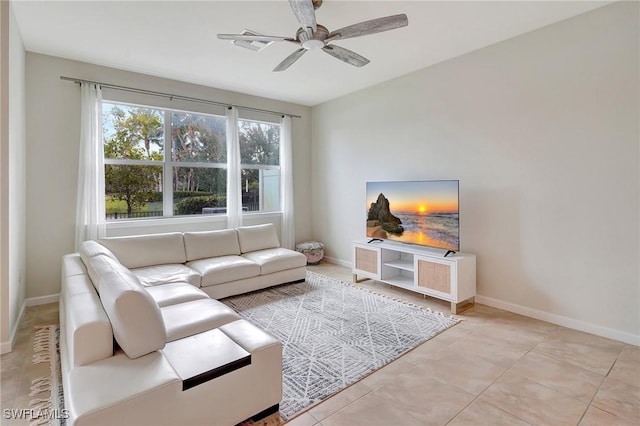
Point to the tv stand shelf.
(403, 264)
(420, 269)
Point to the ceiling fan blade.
(289, 60)
(370, 27)
(346, 55)
(306, 15)
(254, 37)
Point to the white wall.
(12, 215)
(542, 132)
(53, 129)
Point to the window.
(164, 163)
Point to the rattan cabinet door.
(366, 261)
(434, 276)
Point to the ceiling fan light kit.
(313, 36)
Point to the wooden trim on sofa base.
(264, 413)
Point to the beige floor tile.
(521, 322)
(627, 366)
(583, 350)
(452, 335)
(572, 381)
(335, 271)
(619, 399)
(505, 335)
(497, 352)
(424, 351)
(387, 373)
(469, 373)
(597, 417)
(340, 400)
(480, 413)
(19, 413)
(12, 361)
(9, 388)
(532, 402)
(304, 419)
(407, 400)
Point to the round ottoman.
(313, 250)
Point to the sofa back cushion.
(147, 250)
(90, 250)
(258, 237)
(135, 317)
(202, 245)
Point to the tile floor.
(494, 368)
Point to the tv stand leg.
(449, 252)
(457, 308)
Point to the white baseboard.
(6, 347)
(43, 300)
(563, 321)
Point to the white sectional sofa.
(143, 340)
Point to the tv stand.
(419, 269)
(373, 240)
(449, 252)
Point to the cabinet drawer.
(434, 276)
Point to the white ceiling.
(177, 39)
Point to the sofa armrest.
(120, 390)
(88, 330)
(72, 264)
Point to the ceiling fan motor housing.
(315, 42)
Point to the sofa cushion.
(276, 259)
(202, 245)
(166, 274)
(187, 319)
(98, 266)
(174, 293)
(135, 317)
(258, 237)
(147, 250)
(90, 248)
(218, 270)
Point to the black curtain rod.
(178, 97)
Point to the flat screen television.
(424, 212)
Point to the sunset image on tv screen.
(415, 212)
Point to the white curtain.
(286, 183)
(234, 194)
(90, 220)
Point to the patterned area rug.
(334, 334)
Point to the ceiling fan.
(313, 36)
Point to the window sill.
(185, 220)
